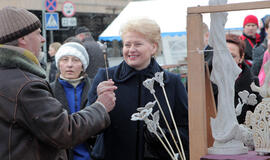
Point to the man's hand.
(105, 86)
(106, 95)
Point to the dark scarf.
(125, 72)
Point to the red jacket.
(250, 44)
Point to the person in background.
(208, 57)
(250, 36)
(126, 139)
(73, 39)
(262, 27)
(33, 123)
(208, 53)
(72, 85)
(93, 50)
(53, 47)
(259, 51)
(266, 55)
(42, 61)
(236, 47)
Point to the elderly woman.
(72, 85)
(126, 139)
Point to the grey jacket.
(96, 57)
(257, 56)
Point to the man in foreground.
(33, 123)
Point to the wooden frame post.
(196, 88)
(210, 106)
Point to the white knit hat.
(73, 49)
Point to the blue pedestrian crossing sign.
(52, 21)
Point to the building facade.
(94, 14)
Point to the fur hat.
(73, 49)
(16, 23)
(250, 19)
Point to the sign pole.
(44, 31)
(51, 36)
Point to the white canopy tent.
(171, 16)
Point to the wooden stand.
(252, 155)
(201, 101)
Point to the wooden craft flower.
(152, 125)
(252, 99)
(144, 112)
(239, 107)
(159, 78)
(149, 84)
(243, 95)
(246, 98)
(153, 121)
(259, 122)
(248, 119)
(142, 115)
(147, 106)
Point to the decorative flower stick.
(159, 79)
(155, 118)
(173, 157)
(103, 47)
(149, 84)
(167, 124)
(106, 65)
(152, 125)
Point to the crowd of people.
(250, 52)
(34, 124)
(81, 110)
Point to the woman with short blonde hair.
(126, 139)
(147, 27)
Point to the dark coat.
(243, 83)
(124, 139)
(208, 57)
(257, 56)
(60, 95)
(250, 43)
(53, 70)
(33, 123)
(96, 57)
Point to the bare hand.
(108, 100)
(105, 86)
(106, 95)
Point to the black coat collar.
(124, 72)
